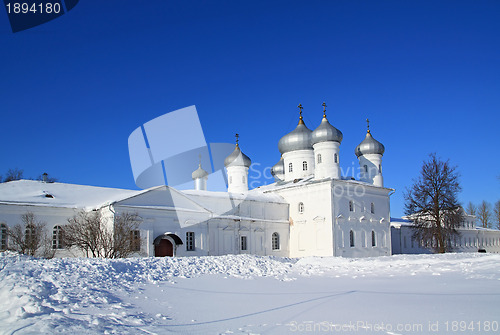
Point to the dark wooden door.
(164, 248)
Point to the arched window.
(351, 239)
(275, 241)
(380, 168)
(374, 239)
(57, 238)
(366, 168)
(335, 158)
(301, 207)
(230, 179)
(351, 206)
(3, 236)
(304, 165)
(290, 168)
(372, 208)
(319, 158)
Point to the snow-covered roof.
(31, 192)
(252, 195)
(310, 180)
(38, 193)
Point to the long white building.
(470, 239)
(311, 209)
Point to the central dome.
(326, 133)
(298, 139)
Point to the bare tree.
(432, 206)
(28, 237)
(484, 214)
(13, 174)
(93, 234)
(471, 208)
(496, 213)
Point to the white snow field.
(244, 294)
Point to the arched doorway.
(166, 245)
(164, 248)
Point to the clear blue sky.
(426, 73)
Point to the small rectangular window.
(190, 241)
(243, 243)
(3, 237)
(135, 240)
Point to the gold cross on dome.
(368, 125)
(324, 109)
(300, 107)
(237, 138)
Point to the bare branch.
(431, 204)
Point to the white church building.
(310, 209)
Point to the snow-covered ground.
(243, 294)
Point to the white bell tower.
(237, 164)
(369, 153)
(200, 177)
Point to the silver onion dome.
(237, 158)
(326, 133)
(369, 146)
(199, 173)
(297, 139)
(278, 169)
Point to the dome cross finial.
(199, 158)
(324, 109)
(301, 121)
(237, 139)
(367, 125)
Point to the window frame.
(135, 240)
(4, 237)
(57, 238)
(190, 241)
(275, 241)
(243, 243)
